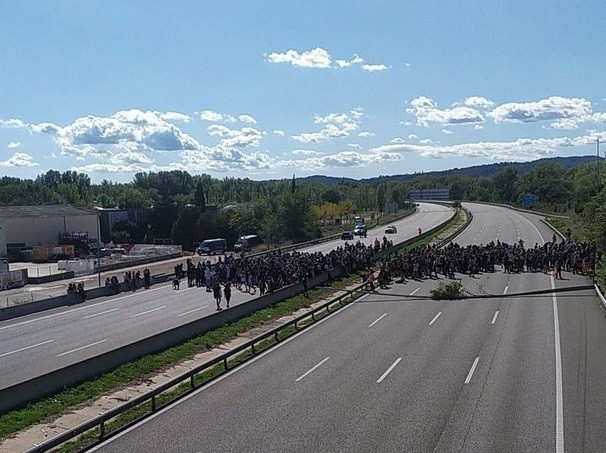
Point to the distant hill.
(476, 171)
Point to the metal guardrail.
(189, 376)
(459, 230)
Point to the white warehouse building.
(27, 226)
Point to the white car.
(391, 229)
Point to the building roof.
(16, 212)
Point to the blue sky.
(265, 89)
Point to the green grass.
(146, 366)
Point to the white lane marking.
(505, 290)
(473, 368)
(102, 313)
(414, 292)
(312, 369)
(377, 320)
(192, 311)
(220, 378)
(25, 348)
(435, 318)
(149, 311)
(363, 297)
(393, 365)
(82, 347)
(494, 318)
(77, 309)
(558, 365)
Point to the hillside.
(476, 171)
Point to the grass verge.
(143, 367)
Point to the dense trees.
(190, 208)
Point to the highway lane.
(391, 373)
(36, 344)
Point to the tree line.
(189, 208)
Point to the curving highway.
(396, 373)
(36, 344)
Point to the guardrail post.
(296, 327)
(225, 363)
(313, 316)
(153, 403)
(101, 430)
(276, 337)
(192, 384)
(252, 349)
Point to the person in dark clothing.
(227, 293)
(217, 294)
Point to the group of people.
(552, 257)
(77, 289)
(131, 280)
(274, 270)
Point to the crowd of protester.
(552, 257)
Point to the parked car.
(347, 235)
(391, 229)
(245, 243)
(360, 230)
(212, 246)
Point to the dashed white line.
(494, 318)
(26, 348)
(192, 311)
(505, 290)
(435, 318)
(473, 368)
(315, 367)
(393, 365)
(414, 292)
(377, 320)
(149, 311)
(102, 313)
(82, 347)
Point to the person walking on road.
(217, 294)
(227, 293)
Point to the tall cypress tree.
(200, 198)
(293, 186)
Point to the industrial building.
(23, 227)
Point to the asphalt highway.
(395, 372)
(36, 344)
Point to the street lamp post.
(98, 247)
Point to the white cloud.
(19, 160)
(221, 158)
(425, 141)
(366, 134)
(375, 67)
(446, 131)
(479, 102)
(478, 127)
(315, 58)
(174, 116)
(12, 122)
(354, 145)
(342, 159)
(407, 64)
(216, 117)
(109, 168)
(426, 111)
(396, 140)
(336, 125)
(247, 136)
(413, 136)
(347, 63)
(247, 119)
(279, 132)
(554, 108)
(13, 145)
(306, 152)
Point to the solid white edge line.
(435, 318)
(384, 375)
(377, 320)
(82, 347)
(505, 290)
(220, 378)
(149, 311)
(101, 313)
(312, 369)
(192, 311)
(414, 292)
(473, 368)
(599, 293)
(361, 297)
(494, 318)
(26, 348)
(558, 370)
